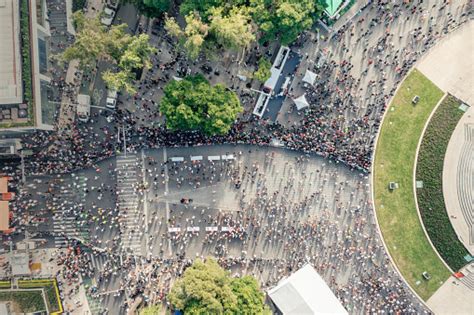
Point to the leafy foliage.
(193, 104)
(191, 39)
(151, 310)
(151, 8)
(250, 300)
(263, 72)
(206, 288)
(232, 30)
(78, 5)
(430, 171)
(93, 41)
(202, 7)
(26, 58)
(284, 19)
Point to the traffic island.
(396, 210)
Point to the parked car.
(107, 17)
(83, 107)
(111, 101)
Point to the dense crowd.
(346, 107)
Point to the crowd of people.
(274, 230)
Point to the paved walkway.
(450, 64)
(458, 173)
(452, 298)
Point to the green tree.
(250, 299)
(151, 8)
(232, 30)
(200, 6)
(192, 38)
(93, 42)
(206, 288)
(90, 43)
(284, 19)
(120, 80)
(193, 104)
(151, 310)
(263, 72)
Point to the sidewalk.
(350, 14)
(67, 113)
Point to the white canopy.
(301, 102)
(309, 77)
(305, 292)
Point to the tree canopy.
(151, 310)
(192, 37)
(284, 19)
(233, 30)
(151, 8)
(263, 72)
(193, 104)
(94, 41)
(206, 288)
(228, 29)
(276, 19)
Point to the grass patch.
(27, 301)
(430, 171)
(50, 287)
(394, 161)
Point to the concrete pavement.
(458, 174)
(450, 65)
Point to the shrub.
(430, 170)
(26, 58)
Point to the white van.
(83, 107)
(111, 101)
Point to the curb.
(373, 195)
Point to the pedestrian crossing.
(131, 225)
(65, 223)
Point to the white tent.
(305, 293)
(309, 77)
(301, 102)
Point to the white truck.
(83, 107)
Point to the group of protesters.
(275, 231)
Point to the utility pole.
(22, 167)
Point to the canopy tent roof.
(332, 6)
(305, 292)
(301, 102)
(309, 77)
(3, 185)
(4, 216)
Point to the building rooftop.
(333, 6)
(11, 89)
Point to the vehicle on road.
(107, 17)
(83, 107)
(111, 101)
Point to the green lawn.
(394, 161)
(430, 170)
(27, 301)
